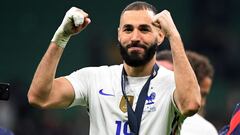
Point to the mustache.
(136, 45)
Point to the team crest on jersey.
(123, 103)
(150, 98)
(150, 107)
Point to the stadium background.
(211, 27)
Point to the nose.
(135, 36)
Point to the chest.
(108, 96)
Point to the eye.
(128, 29)
(144, 30)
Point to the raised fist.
(74, 21)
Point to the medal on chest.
(123, 103)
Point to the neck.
(202, 111)
(140, 71)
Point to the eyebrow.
(140, 26)
(127, 26)
(144, 26)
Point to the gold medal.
(123, 103)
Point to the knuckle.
(75, 8)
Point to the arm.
(187, 94)
(46, 91)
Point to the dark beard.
(133, 58)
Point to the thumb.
(84, 24)
(78, 19)
(86, 21)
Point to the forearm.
(43, 79)
(46, 91)
(187, 94)
(187, 89)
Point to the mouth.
(136, 47)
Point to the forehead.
(136, 17)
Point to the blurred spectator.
(4, 131)
(204, 72)
(234, 126)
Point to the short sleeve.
(173, 103)
(178, 118)
(79, 81)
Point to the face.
(138, 38)
(205, 86)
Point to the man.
(115, 95)
(204, 72)
(234, 125)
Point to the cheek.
(123, 39)
(150, 38)
(123, 42)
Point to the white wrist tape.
(60, 38)
(73, 18)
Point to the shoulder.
(199, 123)
(165, 75)
(165, 72)
(99, 69)
(198, 118)
(104, 67)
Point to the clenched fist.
(74, 21)
(164, 22)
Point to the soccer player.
(195, 125)
(136, 97)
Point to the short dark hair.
(164, 55)
(200, 63)
(139, 5)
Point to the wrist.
(61, 38)
(175, 36)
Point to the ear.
(118, 34)
(160, 37)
